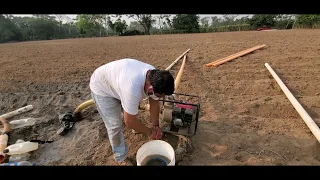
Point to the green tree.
(215, 21)
(284, 21)
(44, 28)
(308, 20)
(134, 25)
(145, 20)
(259, 20)
(186, 22)
(118, 26)
(88, 25)
(204, 22)
(8, 30)
(230, 18)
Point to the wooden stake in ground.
(302, 112)
(234, 56)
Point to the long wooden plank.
(208, 64)
(242, 53)
(231, 56)
(239, 55)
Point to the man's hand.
(156, 133)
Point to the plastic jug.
(15, 124)
(21, 148)
(19, 157)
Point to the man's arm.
(154, 111)
(132, 122)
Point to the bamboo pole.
(302, 112)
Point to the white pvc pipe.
(16, 112)
(175, 61)
(302, 112)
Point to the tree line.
(56, 26)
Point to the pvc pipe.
(175, 61)
(17, 112)
(302, 112)
(229, 56)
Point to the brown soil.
(245, 117)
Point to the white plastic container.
(20, 123)
(156, 147)
(21, 148)
(19, 157)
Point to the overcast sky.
(128, 20)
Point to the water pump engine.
(180, 114)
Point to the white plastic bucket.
(156, 147)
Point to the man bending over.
(122, 84)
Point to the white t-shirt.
(122, 79)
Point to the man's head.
(160, 83)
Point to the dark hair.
(162, 81)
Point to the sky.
(128, 20)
